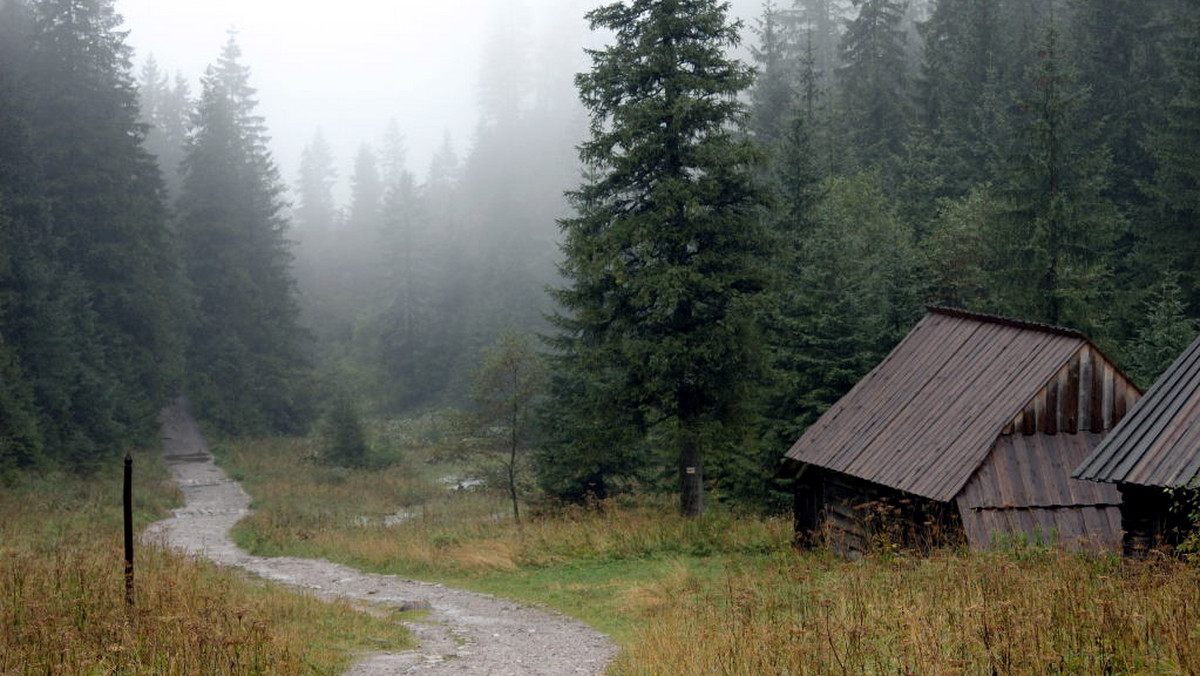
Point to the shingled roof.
(926, 418)
(1158, 442)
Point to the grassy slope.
(62, 594)
(726, 594)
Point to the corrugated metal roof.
(925, 418)
(1158, 442)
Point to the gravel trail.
(465, 632)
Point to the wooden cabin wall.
(1088, 393)
(808, 508)
(856, 516)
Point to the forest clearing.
(528, 408)
(725, 593)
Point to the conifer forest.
(652, 263)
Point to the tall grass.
(306, 508)
(726, 594)
(952, 613)
(62, 603)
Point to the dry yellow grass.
(953, 613)
(62, 605)
(726, 594)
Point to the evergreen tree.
(366, 194)
(963, 92)
(1058, 229)
(1119, 47)
(345, 442)
(771, 97)
(820, 22)
(109, 223)
(664, 257)
(873, 81)
(850, 298)
(166, 110)
(1165, 332)
(405, 351)
(315, 212)
(245, 362)
(1176, 183)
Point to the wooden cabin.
(967, 431)
(1155, 450)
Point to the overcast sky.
(347, 66)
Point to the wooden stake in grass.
(128, 500)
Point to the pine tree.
(109, 218)
(771, 97)
(1165, 332)
(166, 110)
(873, 81)
(1120, 48)
(406, 353)
(245, 363)
(664, 257)
(315, 212)
(1058, 229)
(1176, 184)
(963, 83)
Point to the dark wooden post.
(128, 529)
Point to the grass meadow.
(62, 594)
(727, 594)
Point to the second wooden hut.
(969, 429)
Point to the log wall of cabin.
(1088, 393)
(856, 515)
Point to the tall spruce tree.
(664, 257)
(1058, 229)
(874, 82)
(166, 109)
(771, 98)
(108, 239)
(245, 362)
(1176, 184)
(315, 211)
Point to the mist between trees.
(739, 242)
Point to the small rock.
(415, 605)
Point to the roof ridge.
(1007, 321)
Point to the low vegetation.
(726, 593)
(62, 605)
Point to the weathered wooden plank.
(1050, 422)
(1085, 390)
(1071, 404)
(1106, 403)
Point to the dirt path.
(465, 633)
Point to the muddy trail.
(464, 633)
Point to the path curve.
(465, 633)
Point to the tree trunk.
(691, 476)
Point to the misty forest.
(738, 243)
(649, 267)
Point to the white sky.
(346, 67)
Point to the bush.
(345, 444)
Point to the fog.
(405, 272)
(350, 67)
